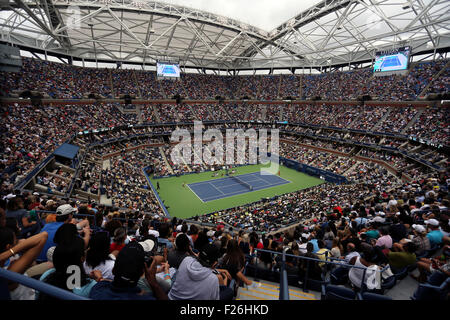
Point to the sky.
(263, 14)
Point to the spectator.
(15, 209)
(129, 267)
(234, 262)
(435, 235)
(197, 279)
(120, 235)
(29, 249)
(98, 256)
(69, 253)
(64, 215)
(402, 259)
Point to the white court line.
(195, 193)
(217, 189)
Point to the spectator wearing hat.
(419, 238)
(129, 267)
(197, 278)
(435, 235)
(64, 214)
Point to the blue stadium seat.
(332, 292)
(427, 291)
(339, 276)
(373, 297)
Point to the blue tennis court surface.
(391, 61)
(227, 187)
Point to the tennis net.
(245, 184)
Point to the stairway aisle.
(271, 291)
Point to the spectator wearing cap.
(197, 278)
(435, 235)
(129, 267)
(64, 214)
(419, 238)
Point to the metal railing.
(39, 286)
(284, 283)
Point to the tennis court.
(391, 61)
(230, 186)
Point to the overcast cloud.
(264, 14)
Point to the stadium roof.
(331, 32)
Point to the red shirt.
(114, 246)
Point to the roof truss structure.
(334, 32)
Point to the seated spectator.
(385, 240)
(351, 253)
(69, 253)
(18, 256)
(120, 235)
(419, 238)
(98, 256)
(234, 262)
(402, 259)
(164, 232)
(323, 253)
(64, 215)
(15, 209)
(435, 235)
(336, 249)
(372, 278)
(129, 267)
(314, 270)
(182, 250)
(197, 278)
(428, 266)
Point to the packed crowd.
(366, 225)
(64, 81)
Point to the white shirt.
(105, 268)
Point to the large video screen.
(168, 70)
(392, 60)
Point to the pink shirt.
(385, 241)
